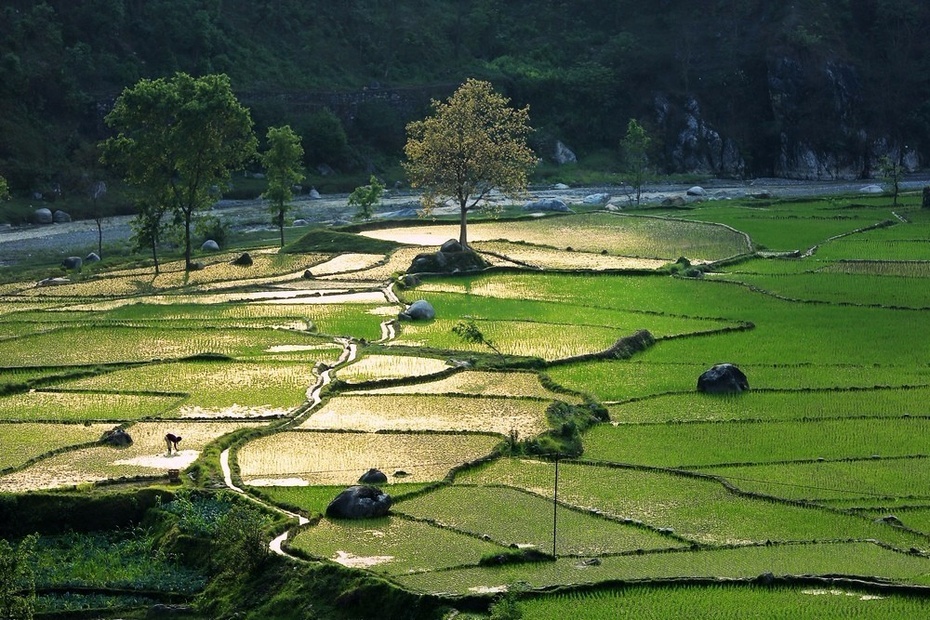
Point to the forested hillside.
(730, 87)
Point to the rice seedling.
(839, 558)
(24, 441)
(526, 520)
(878, 478)
(476, 383)
(725, 602)
(646, 237)
(79, 406)
(145, 457)
(390, 545)
(542, 257)
(340, 458)
(217, 385)
(898, 268)
(756, 405)
(706, 444)
(430, 412)
(841, 288)
(700, 510)
(380, 367)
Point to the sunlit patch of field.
(476, 382)
(24, 441)
(550, 258)
(399, 260)
(391, 545)
(346, 262)
(621, 235)
(431, 412)
(145, 457)
(79, 406)
(236, 388)
(378, 367)
(340, 458)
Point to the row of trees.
(178, 139)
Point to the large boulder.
(723, 379)
(93, 257)
(73, 263)
(596, 199)
(43, 216)
(563, 155)
(452, 257)
(60, 217)
(210, 246)
(546, 204)
(420, 310)
(373, 476)
(116, 437)
(243, 260)
(697, 190)
(359, 502)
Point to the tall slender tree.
(635, 150)
(282, 162)
(178, 139)
(472, 144)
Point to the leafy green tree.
(179, 138)
(470, 333)
(472, 144)
(17, 580)
(147, 226)
(282, 162)
(364, 197)
(635, 149)
(892, 173)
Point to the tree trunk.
(99, 237)
(155, 253)
(463, 225)
(187, 240)
(281, 226)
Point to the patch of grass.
(334, 241)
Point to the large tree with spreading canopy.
(473, 143)
(178, 139)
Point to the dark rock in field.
(43, 216)
(301, 223)
(60, 217)
(210, 246)
(455, 259)
(546, 204)
(452, 245)
(93, 257)
(359, 502)
(765, 579)
(410, 280)
(116, 437)
(400, 473)
(890, 520)
(420, 310)
(677, 201)
(373, 476)
(723, 379)
(73, 263)
(197, 266)
(244, 260)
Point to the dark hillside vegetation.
(806, 89)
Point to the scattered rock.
(243, 260)
(546, 204)
(871, 189)
(452, 245)
(43, 216)
(73, 263)
(60, 217)
(410, 280)
(198, 266)
(373, 476)
(420, 310)
(359, 502)
(314, 194)
(400, 473)
(560, 186)
(723, 379)
(890, 520)
(308, 275)
(93, 257)
(763, 195)
(613, 207)
(53, 281)
(676, 201)
(210, 246)
(697, 190)
(301, 223)
(596, 199)
(116, 437)
(454, 259)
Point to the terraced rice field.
(820, 469)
